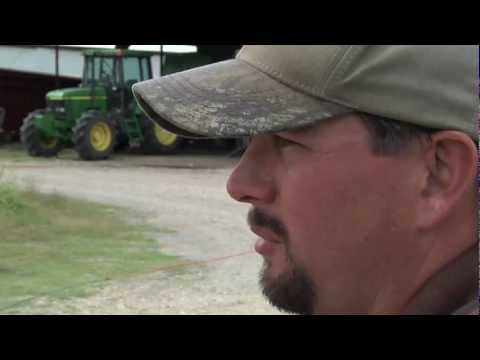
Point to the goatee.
(291, 292)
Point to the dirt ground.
(184, 193)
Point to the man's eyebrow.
(301, 134)
(310, 130)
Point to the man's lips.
(266, 234)
(267, 241)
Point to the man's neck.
(449, 289)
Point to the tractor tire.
(35, 141)
(158, 141)
(95, 136)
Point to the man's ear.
(450, 163)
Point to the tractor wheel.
(35, 140)
(157, 140)
(94, 136)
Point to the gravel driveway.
(185, 193)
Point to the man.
(360, 173)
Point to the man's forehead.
(304, 130)
(319, 127)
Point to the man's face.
(335, 222)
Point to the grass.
(61, 248)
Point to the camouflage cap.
(270, 88)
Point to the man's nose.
(252, 180)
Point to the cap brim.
(228, 99)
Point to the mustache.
(259, 218)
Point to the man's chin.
(291, 291)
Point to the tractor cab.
(116, 71)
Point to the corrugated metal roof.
(41, 60)
(153, 48)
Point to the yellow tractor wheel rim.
(48, 143)
(164, 137)
(101, 136)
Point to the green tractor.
(100, 116)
